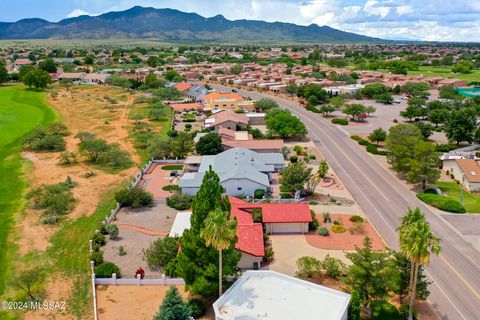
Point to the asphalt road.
(455, 291)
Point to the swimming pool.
(471, 92)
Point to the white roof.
(181, 223)
(269, 295)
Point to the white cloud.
(79, 12)
(404, 10)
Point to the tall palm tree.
(220, 233)
(417, 242)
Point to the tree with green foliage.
(182, 145)
(48, 65)
(236, 69)
(134, 197)
(171, 75)
(404, 270)
(372, 273)
(291, 89)
(308, 267)
(383, 98)
(371, 90)
(463, 67)
(326, 109)
(355, 306)
(378, 135)
(354, 110)
(197, 263)
(3, 73)
(29, 281)
(152, 81)
(284, 124)
(323, 169)
(337, 102)
(417, 242)
(416, 88)
(160, 253)
(424, 164)
(437, 116)
(36, 78)
(220, 232)
(266, 104)
(209, 144)
(425, 128)
(24, 70)
(315, 91)
(460, 124)
(400, 141)
(173, 307)
(294, 176)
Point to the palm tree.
(417, 242)
(220, 233)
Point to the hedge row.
(312, 108)
(340, 121)
(441, 202)
(370, 147)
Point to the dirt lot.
(122, 302)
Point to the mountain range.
(174, 26)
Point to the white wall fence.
(162, 281)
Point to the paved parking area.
(156, 178)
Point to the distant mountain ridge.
(173, 25)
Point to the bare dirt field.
(122, 302)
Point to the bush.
(314, 224)
(363, 142)
(285, 195)
(121, 251)
(54, 199)
(259, 194)
(338, 229)
(96, 257)
(51, 219)
(293, 159)
(338, 222)
(68, 158)
(357, 228)
(441, 202)
(430, 190)
(333, 267)
(372, 149)
(179, 201)
(134, 197)
(356, 218)
(445, 147)
(356, 138)
(382, 310)
(313, 202)
(197, 307)
(47, 139)
(322, 231)
(172, 187)
(98, 239)
(105, 270)
(308, 267)
(340, 121)
(269, 254)
(160, 253)
(112, 230)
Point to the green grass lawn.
(172, 167)
(21, 111)
(471, 201)
(446, 72)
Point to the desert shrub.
(96, 257)
(338, 222)
(298, 150)
(161, 252)
(313, 225)
(441, 202)
(197, 306)
(259, 194)
(357, 228)
(121, 251)
(172, 187)
(333, 267)
(356, 218)
(340, 121)
(372, 149)
(54, 199)
(323, 231)
(356, 138)
(285, 195)
(338, 229)
(89, 174)
(105, 270)
(134, 197)
(179, 201)
(100, 152)
(112, 230)
(47, 139)
(98, 239)
(308, 267)
(115, 157)
(50, 219)
(293, 159)
(326, 217)
(269, 254)
(68, 158)
(382, 310)
(257, 215)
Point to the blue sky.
(443, 20)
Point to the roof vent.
(473, 173)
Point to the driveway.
(288, 248)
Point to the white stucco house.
(241, 171)
(466, 171)
(269, 295)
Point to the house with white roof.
(241, 171)
(268, 295)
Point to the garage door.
(286, 227)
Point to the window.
(239, 188)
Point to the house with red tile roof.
(183, 86)
(227, 119)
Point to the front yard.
(471, 201)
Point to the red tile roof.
(250, 239)
(183, 86)
(285, 212)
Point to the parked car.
(396, 101)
